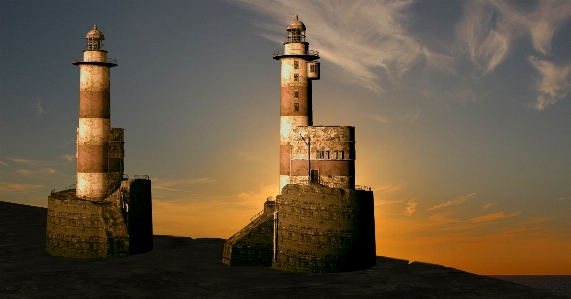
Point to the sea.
(556, 284)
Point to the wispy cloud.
(380, 202)
(485, 38)
(553, 84)
(488, 28)
(168, 184)
(535, 220)
(2, 163)
(410, 207)
(23, 171)
(389, 187)
(68, 157)
(356, 36)
(494, 216)
(487, 206)
(38, 108)
(24, 161)
(18, 188)
(455, 201)
(545, 20)
(562, 198)
(379, 118)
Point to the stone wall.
(118, 226)
(324, 229)
(253, 245)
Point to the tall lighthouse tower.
(92, 171)
(302, 230)
(298, 68)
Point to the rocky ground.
(180, 267)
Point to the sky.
(462, 114)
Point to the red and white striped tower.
(92, 177)
(298, 68)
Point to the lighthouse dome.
(295, 25)
(95, 33)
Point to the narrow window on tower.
(296, 106)
(296, 65)
(342, 155)
(321, 154)
(312, 68)
(296, 77)
(327, 155)
(296, 94)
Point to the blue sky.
(461, 111)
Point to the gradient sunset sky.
(462, 113)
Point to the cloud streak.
(487, 206)
(356, 36)
(455, 201)
(167, 184)
(38, 108)
(553, 84)
(488, 28)
(68, 158)
(18, 188)
(494, 216)
(410, 207)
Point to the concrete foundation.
(118, 226)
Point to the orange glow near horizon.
(490, 244)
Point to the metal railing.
(260, 213)
(72, 186)
(109, 60)
(308, 52)
(361, 187)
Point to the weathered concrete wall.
(85, 229)
(253, 245)
(331, 153)
(105, 229)
(324, 229)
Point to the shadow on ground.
(181, 267)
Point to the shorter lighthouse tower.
(92, 170)
(106, 214)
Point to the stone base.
(118, 226)
(319, 230)
(323, 229)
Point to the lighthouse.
(299, 66)
(320, 221)
(93, 142)
(106, 215)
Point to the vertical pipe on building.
(92, 179)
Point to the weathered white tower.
(298, 68)
(92, 170)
